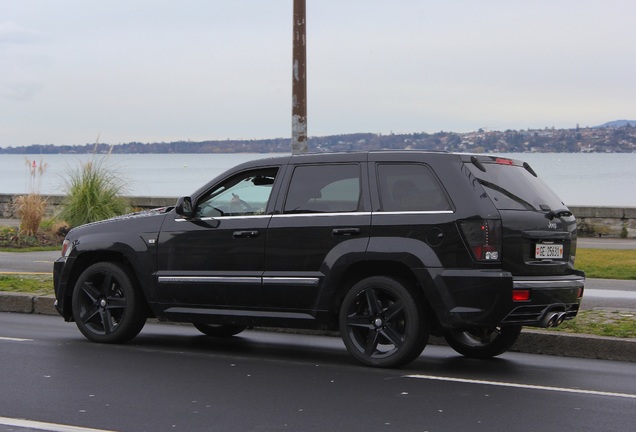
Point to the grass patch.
(602, 322)
(31, 284)
(607, 263)
(32, 249)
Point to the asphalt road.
(171, 378)
(27, 262)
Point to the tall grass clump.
(31, 208)
(93, 193)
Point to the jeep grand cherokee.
(386, 247)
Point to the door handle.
(345, 231)
(244, 234)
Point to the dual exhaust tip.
(553, 319)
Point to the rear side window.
(324, 189)
(513, 187)
(410, 187)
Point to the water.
(160, 175)
(587, 179)
(580, 179)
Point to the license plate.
(548, 251)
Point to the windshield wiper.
(551, 214)
(507, 193)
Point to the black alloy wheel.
(219, 330)
(108, 307)
(382, 323)
(483, 342)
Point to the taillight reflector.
(520, 295)
(502, 161)
(65, 247)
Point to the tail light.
(484, 238)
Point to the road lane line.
(50, 427)
(15, 339)
(524, 386)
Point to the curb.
(531, 341)
(27, 303)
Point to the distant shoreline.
(603, 139)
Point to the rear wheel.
(108, 306)
(382, 323)
(483, 342)
(219, 330)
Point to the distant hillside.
(613, 137)
(618, 123)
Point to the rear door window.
(324, 189)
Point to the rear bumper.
(547, 296)
(484, 298)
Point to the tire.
(219, 330)
(108, 306)
(483, 342)
(382, 323)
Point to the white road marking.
(524, 386)
(15, 339)
(50, 427)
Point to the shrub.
(30, 208)
(93, 193)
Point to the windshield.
(513, 187)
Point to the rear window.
(513, 187)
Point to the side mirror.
(184, 207)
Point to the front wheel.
(219, 330)
(483, 342)
(382, 323)
(108, 306)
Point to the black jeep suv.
(386, 247)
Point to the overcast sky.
(154, 70)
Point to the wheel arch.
(85, 260)
(394, 269)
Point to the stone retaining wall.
(593, 221)
(606, 221)
(55, 201)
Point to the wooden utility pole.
(299, 80)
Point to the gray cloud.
(12, 33)
(20, 90)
